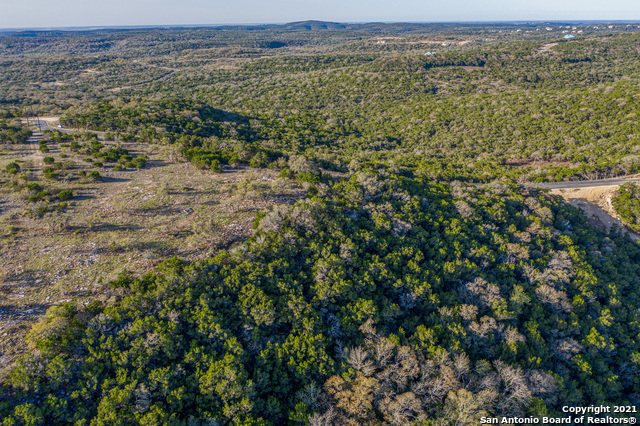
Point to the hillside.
(317, 223)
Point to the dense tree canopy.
(382, 299)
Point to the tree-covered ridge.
(473, 113)
(381, 300)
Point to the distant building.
(430, 53)
(569, 36)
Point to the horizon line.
(173, 26)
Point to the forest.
(422, 278)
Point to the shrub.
(68, 165)
(48, 160)
(308, 177)
(12, 168)
(118, 168)
(97, 164)
(38, 197)
(44, 149)
(215, 166)
(258, 161)
(140, 162)
(300, 164)
(286, 173)
(65, 195)
(95, 176)
(34, 186)
(56, 327)
(258, 219)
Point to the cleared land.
(597, 204)
(132, 219)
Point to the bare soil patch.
(546, 48)
(597, 204)
(529, 162)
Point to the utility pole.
(37, 120)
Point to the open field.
(132, 220)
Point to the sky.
(88, 13)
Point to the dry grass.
(132, 220)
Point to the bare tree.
(325, 419)
(557, 300)
(359, 360)
(515, 390)
(479, 292)
(402, 409)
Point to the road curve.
(586, 183)
(43, 125)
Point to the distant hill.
(314, 26)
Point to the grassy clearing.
(132, 220)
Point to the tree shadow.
(165, 210)
(109, 227)
(29, 310)
(112, 179)
(83, 197)
(143, 246)
(154, 164)
(599, 218)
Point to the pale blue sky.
(63, 13)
